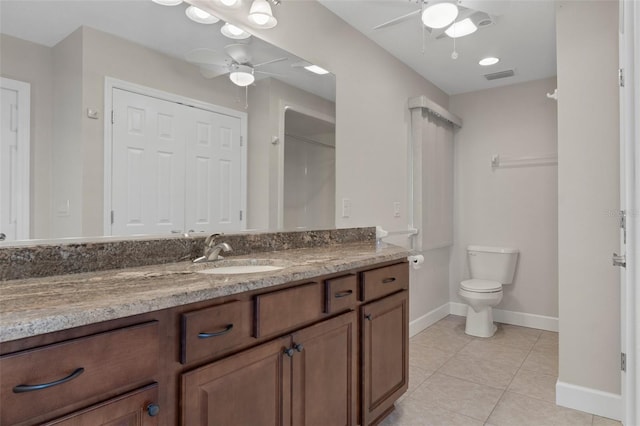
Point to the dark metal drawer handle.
(30, 388)
(216, 333)
(369, 317)
(388, 280)
(343, 294)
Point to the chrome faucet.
(212, 250)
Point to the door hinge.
(241, 141)
(621, 77)
(112, 216)
(623, 361)
(619, 260)
(240, 214)
(623, 225)
(113, 120)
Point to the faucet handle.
(210, 239)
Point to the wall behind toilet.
(515, 207)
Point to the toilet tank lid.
(493, 249)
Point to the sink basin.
(241, 266)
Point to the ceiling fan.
(237, 61)
(453, 18)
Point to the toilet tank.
(492, 263)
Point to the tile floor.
(506, 380)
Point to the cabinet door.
(250, 388)
(325, 373)
(385, 354)
(138, 408)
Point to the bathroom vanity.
(324, 340)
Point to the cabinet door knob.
(153, 409)
(31, 388)
(298, 347)
(369, 317)
(289, 352)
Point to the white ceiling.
(161, 28)
(523, 37)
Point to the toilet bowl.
(490, 267)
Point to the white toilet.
(490, 268)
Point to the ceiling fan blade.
(397, 20)
(205, 56)
(269, 73)
(492, 7)
(213, 71)
(273, 61)
(239, 53)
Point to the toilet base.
(480, 324)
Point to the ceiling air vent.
(499, 74)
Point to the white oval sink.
(241, 266)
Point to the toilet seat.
(481, 286)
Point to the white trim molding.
(589, 400)
(428, 319)
(522, 319)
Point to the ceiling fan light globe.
(231, 31)
(439, 15)
(260, 14)
(167, 2)
(242, 75)
(200, 16)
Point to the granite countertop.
(29, 307)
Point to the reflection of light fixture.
(231, 31)
(200, 16)
(168, 2)
(461, 29)
(229, 3)
(241, 75)
(489, 61)
(260, 14)
(439, 15)
(316, 69)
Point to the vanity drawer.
(284, 310)
(340, 293)
(42, 382)
(379, 282)
(215, 331)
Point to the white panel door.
(213, 172)
(14, 159)
(148, 165)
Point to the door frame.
(279, 167)
(113, 83)
(23, 185)
(630, 202)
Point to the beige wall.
(32, 63)
(588, 191)
(513, 207)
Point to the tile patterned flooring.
(506, 380)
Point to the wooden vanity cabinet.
(384, 326)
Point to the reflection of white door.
(14, 159)
(175, 168)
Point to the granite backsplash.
(19, 262)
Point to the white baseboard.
(589, 400)
(428, 319)
(540, 322)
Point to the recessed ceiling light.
(489, 61)
(231, 31)
(167, 2)
(200, 16)
(439, 15)
(229, 3)
(316, 69)
(461, 29)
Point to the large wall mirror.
(121, 118)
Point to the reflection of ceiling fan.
(236, 60)
(453, 18)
